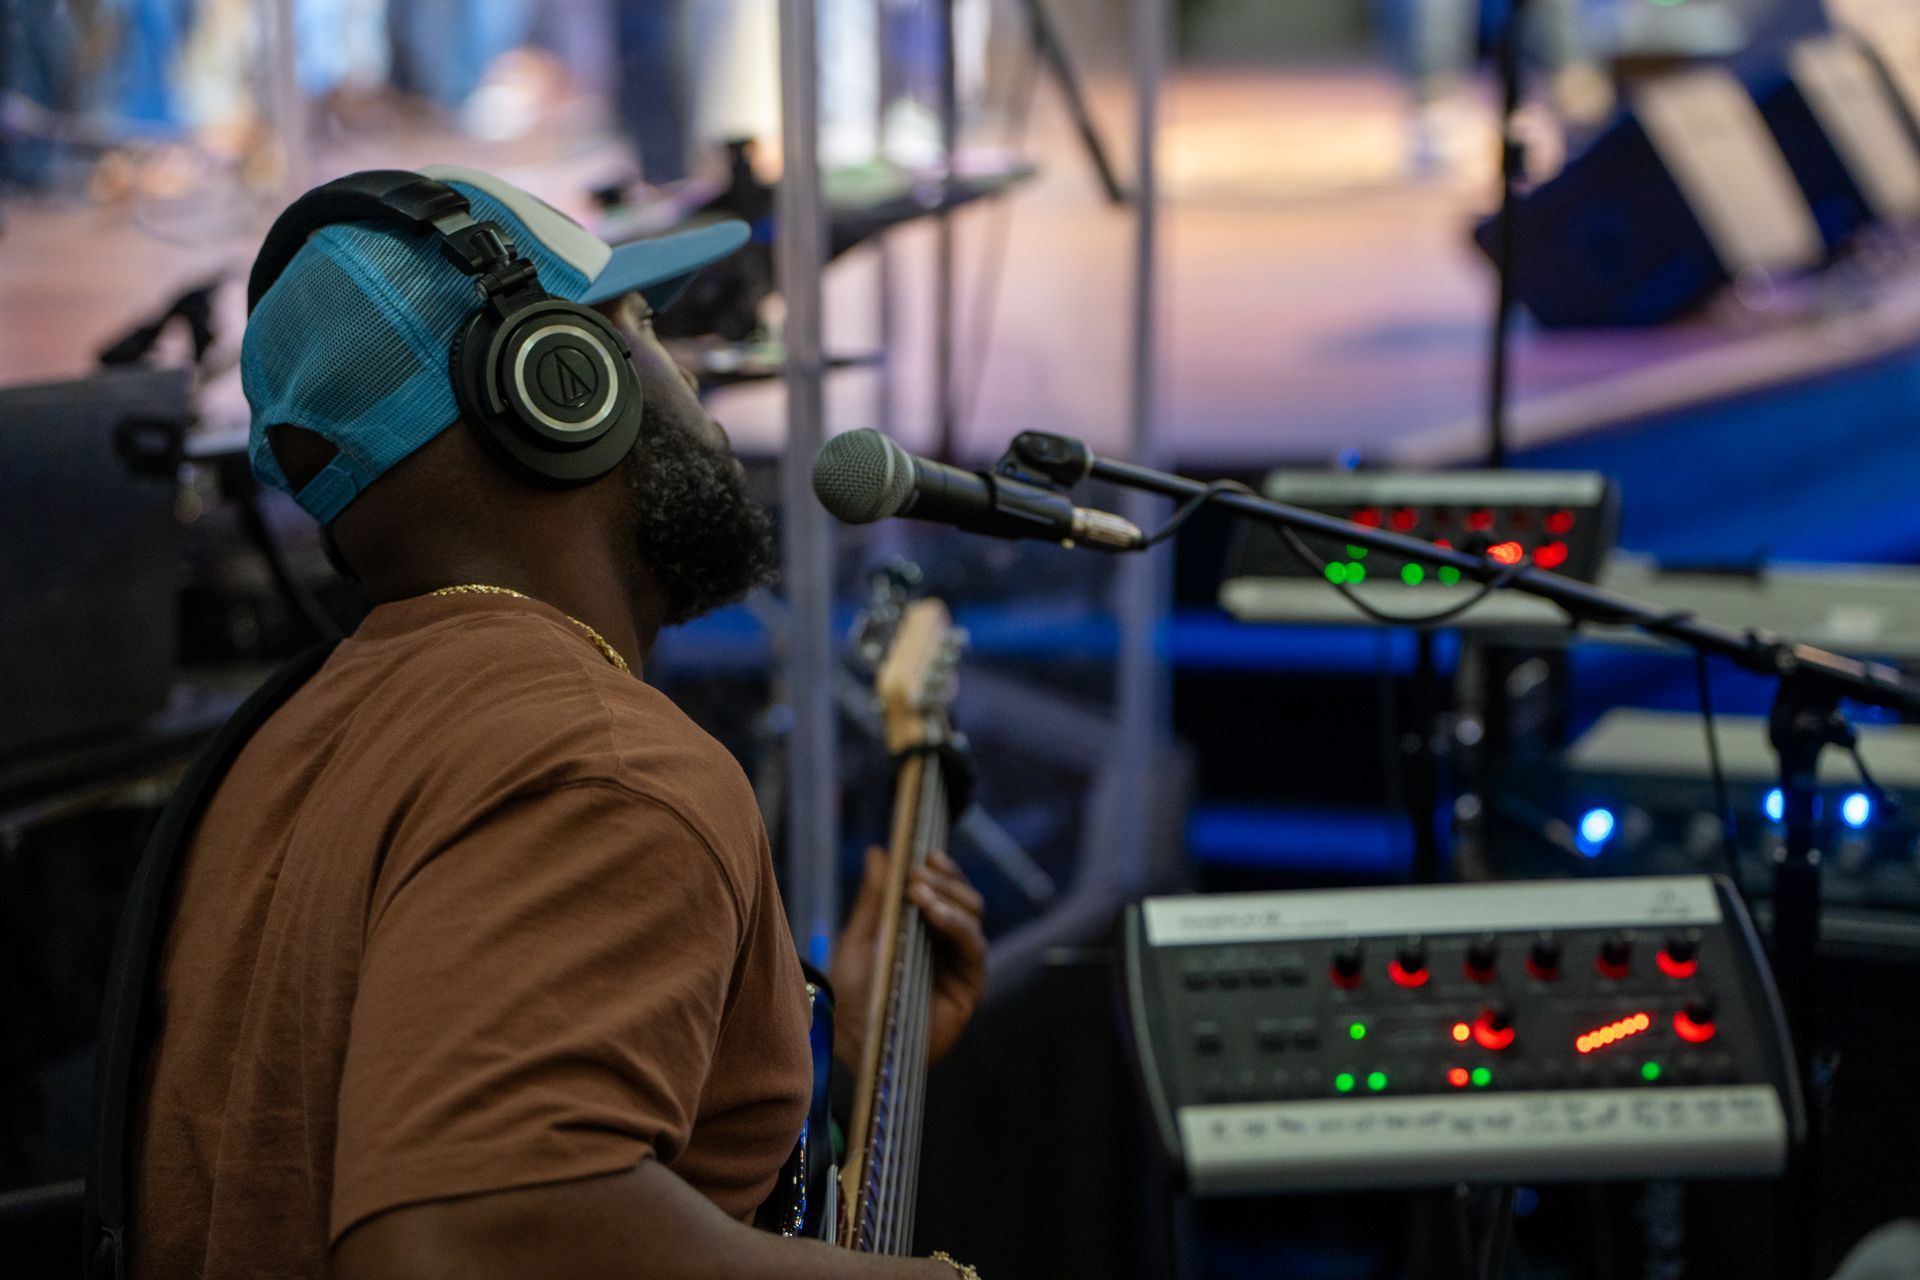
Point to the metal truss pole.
(1144, 581)
(806, 655)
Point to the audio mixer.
(1425, 1035)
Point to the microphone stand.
(1806, 718)
(1513, 173)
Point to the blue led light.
(1857, 809)
(1596, 828)
(1775, 805)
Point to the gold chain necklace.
(482, 589)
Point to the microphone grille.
(861, 476)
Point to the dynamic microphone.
(862, 476)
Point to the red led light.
(1458, 1077)
(1480, 521)
(1613, 1032)
(1551, 556)
(1442, 542)
(1408, 977)
(1690, 1031)
(1404, 519)
(1462, 1032)
(1368, 516)
(1677, 968)
(1558, 522)
(1506, 552)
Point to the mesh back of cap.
(353, 343)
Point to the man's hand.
(952, 910)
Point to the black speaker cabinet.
(1843, 137)
(1680, 195)
(90, 567)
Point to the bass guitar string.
(890, 1190)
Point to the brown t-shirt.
(472, 911)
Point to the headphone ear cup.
(551, 391)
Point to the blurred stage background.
(1322, 169)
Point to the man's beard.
(702, 536)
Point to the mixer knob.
(1616, 954)
(1348, 959)
(1694, 1023)
(1543, 959)
(1409, 968)
(1680, 958)
(1482, 955)
(1493, 1029)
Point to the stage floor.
(1314, 299)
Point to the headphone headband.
(394, 196)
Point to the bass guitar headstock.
(918, 678)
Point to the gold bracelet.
(960, 1269)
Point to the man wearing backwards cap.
(477, 966)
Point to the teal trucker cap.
(353, 341)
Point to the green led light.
(1336, 573)
(1356, 572)
(1358, 1031)
(1482, 1077)
(1649, 1071)
(1358, 553)
(1344, 1082)
(1449, 574)
(1412, 574)
(1377, 1080)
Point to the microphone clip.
(1043, 458)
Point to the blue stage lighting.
(1596, 828)
(1857, 809)
(1776, 805)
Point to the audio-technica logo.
(567, 377)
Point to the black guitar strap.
(123, 1013)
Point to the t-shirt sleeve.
(539, 1000)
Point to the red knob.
(1680, 958)
(1543, 959)
(1409, 968)
(1346, 967)
(1616, 955)
(1694, 1024)
(1481, 958)
(1493, 1029)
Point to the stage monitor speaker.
(1680, 196)
(1843, 137)
(90, 562)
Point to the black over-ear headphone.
(546, 382)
